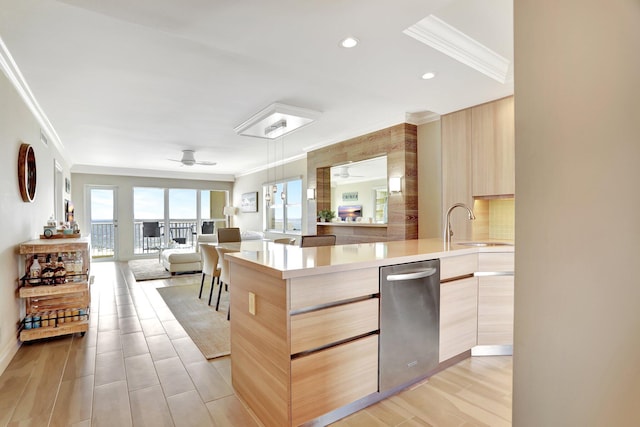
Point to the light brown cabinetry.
(61, 309)
(329, 379)
(320, 328)
(458, 305)
(477, 158)
(492, 142)
(310, 348)
(495, 298)
(458, 317)
(457, 168)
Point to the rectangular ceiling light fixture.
(276, 120)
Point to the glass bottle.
(60, 273)
(78, 263)
(48, 272)
(69, 264)
(35, 271)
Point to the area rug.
(151, 269)
(208, 328)
(148, 269)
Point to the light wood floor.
(137, 366)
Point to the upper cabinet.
(492, 142)
(456, 167)
(477, 157)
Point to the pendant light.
(283, 195)
(274, 187)
(267, 193)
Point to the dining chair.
(226, 235)
(317, 240)
(224, 275)
(210, 266)
(177, 236)
(286, 241)
(207, 227)
(150, 230)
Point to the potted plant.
(326, 215)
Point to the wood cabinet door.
(493, 138)
(458, 317)
(495, 310)
(456, 169)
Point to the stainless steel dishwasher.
(409, 322)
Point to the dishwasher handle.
(410, 276)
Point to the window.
(180, 213)
(284, 216)
(148, 203)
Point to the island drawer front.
(498, 261)
(321, 328)
(327, 380)
(311, 291)
(457, 266)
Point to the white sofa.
(186, 260)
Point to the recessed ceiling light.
(428, 76)
(349, 42)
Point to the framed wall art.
(249, 202)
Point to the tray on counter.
(60, 236)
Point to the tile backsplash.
(502, 213)
(495, 219)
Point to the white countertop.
(287, 261)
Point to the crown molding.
(150, 173)
(275, 164)
(11, 70)
(441, 36)
(422, 117)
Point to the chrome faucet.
(448, 232)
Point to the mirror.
(359, 191)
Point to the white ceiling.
(128, 84)
(362, 171)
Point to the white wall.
(429, 180)
(365, 195)
(124, 188)
(20, 221)
(249, 221)
(577, 295)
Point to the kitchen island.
(305, 323)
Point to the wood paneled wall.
(399, 143)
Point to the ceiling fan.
(344, 173)
(189, 159)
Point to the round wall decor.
(27, 172)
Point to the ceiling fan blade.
(205, 163)
(175, 160)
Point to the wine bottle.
(48, 272)
(60, 273)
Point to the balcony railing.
(182, 232)
(102, 239)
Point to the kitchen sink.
(484, 244)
